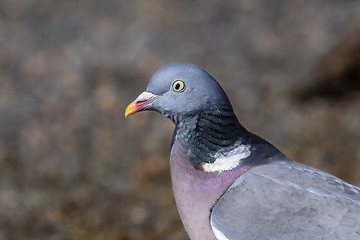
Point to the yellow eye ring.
(178, 86)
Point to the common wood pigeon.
(231, 184)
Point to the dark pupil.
(177, 86)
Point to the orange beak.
(131, 109)
(140, 103)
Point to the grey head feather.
(202, 112)
(201, 91)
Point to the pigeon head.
(179, 91)
(196, 103)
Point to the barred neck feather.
(213, 136)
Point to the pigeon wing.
(287, 200)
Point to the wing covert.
(287, 200)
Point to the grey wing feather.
(287, 200)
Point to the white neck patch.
(228, 160)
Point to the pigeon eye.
(178, 86)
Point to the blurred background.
(71, 166)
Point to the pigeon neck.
(215, 139)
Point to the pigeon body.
(231, 184)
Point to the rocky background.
(71, 166)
